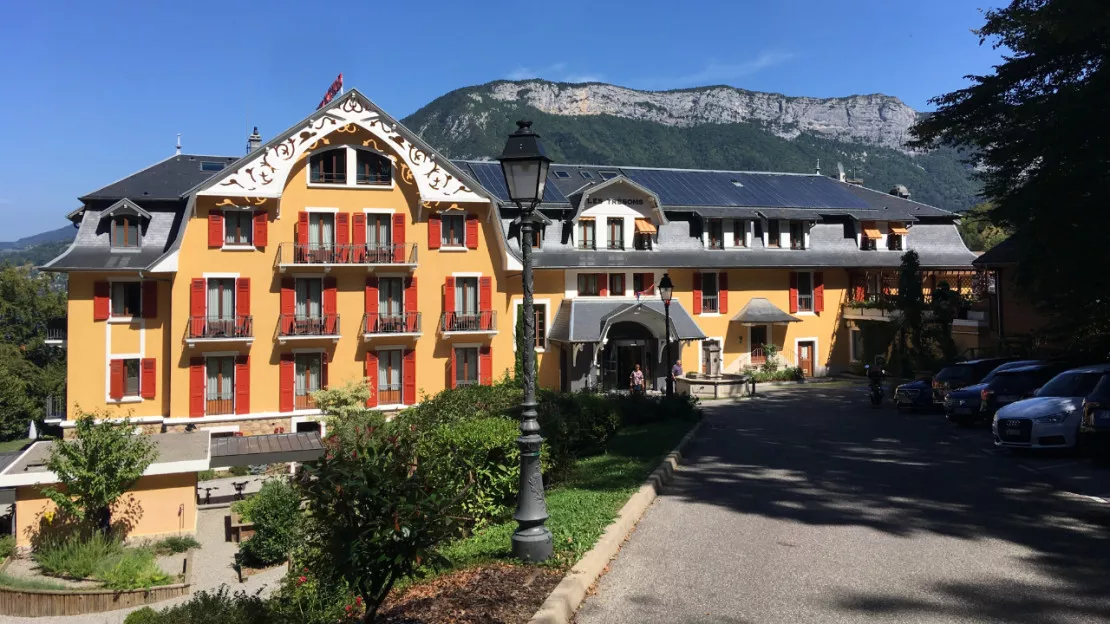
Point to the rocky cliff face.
(873, 119)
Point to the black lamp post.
(525, 164)
(666, 289)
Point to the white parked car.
(1051, 418)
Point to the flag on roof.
(334, 89)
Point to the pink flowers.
(301, 579)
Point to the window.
(642, 236)
(466, 295)
(390, 296)
(372, 168)
(640, 282)
(389, 377)
(709, 292)
(131, 377)
(562, 174)
(537, 237)
(309, 307)
(321, 229)
(773, 233)
(869, 236)
(466, 366)
(220, 311)
(894, 242)
(379, 238)
(586, 234)
(739, 233)
(125, 231)
(220, 390)
(805, 292)
(310, 378)
(855, 345)
(758, 227)
(453, 228)
(616, 232)
(540, 314)
(586, 174)
(607, 175)
(127, 299)
(238, 227)
(616, 284)
(797, 235)
(716, 234)
(211, 166)
(328, 167)
(588, 285)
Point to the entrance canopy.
(760, 311)
(266, 449)
(588, 320)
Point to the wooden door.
(805, 357)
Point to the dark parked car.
(1094, 429)
(1013, 385)
(962, 406)
(926, 393)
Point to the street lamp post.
(525, 165)
(666, 289)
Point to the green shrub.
(453, 405)
(790, 373)
(303, 598)
(131, 569)
(478, 455)
(74, 556)
(240, 471)
(15, 582)
(176, 544)
(218, 607)
(206, 475)
(575, 425)
(275, 512)
(7, 547)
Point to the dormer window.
(716, 233)
(607, 175)
(896, 239)
(643, 238)
(372, 168)
(797, 235)
(350, 166)
(125, 231)
(328, 167)
(869, 237)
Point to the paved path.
(810, 506)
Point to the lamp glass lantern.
(666, 289)
(525, 166)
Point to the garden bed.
(490, 594)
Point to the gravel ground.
(211, 568)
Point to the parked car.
(926, 393)
(1051, 418)
(1094, 429)
(1015, 385)
(962, 406)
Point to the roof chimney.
(840, 173)
(818, 172)
(254, 141)
(900, 190)
(178, 143)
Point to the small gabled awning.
(897, 227)
(644, 226)
(760, 311)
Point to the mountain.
(709, 127)
(63, 234)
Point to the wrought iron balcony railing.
(55, 407)
(390, 394)
(370, 253)
(307, 326)
(215, 328)
(403, 323)
(709, 303)
(461, 322)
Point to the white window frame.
(462, 238)
(477, 361)
(112, 318)
(717, 287)
(126, 398)
(519, 305)
(352, 169)
(378, 352)
(812, 296)
(234, 390)
(237, 246)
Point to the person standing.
(676, 371)
(636, 380)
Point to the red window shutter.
(485, 302)
(603, 284)
(697, 293)
(449, 295)
(261, 229)
(148, 378)
(243, 296)
(243, 384)
(372, 378)
(102, 301)
(215, 229)
(485, 365)
(435, 233)
(411, 306)
(408, 378)
(451, 370)
(398, 238)
(302, 228)
(115, 387)
(358, 228)
(793, 293)
(372, 295)
(287, 382)
(818, 291)
(288, 303)
(331, 307)
(471, 231)
(150, 299)
(860, 293)
(196, 387)
(343, 228)
(722, 292)
(197, 291)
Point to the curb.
(568, 595)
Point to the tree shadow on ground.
(824, 457)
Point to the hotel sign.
(624, 201)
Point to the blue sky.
(94, 91)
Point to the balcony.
(390, 394)
(294, 327)
(403, 324)
(55, 335)
(710, 304)
(216, 406)
(215, 329)
(327, 256)
(484, 322)
(54, 407)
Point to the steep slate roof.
(582, 320)
(1003, 253)
(92, 250)
(166, 180)
(761, 311)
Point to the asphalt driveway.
(811, 506)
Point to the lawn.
(587, 502)
(14, 445)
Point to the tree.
(978, 232)
(96, 467)
(1037, 131)
(913, 343)
(944, 306)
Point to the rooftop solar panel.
(489, 175)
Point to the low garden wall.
(45, 602)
